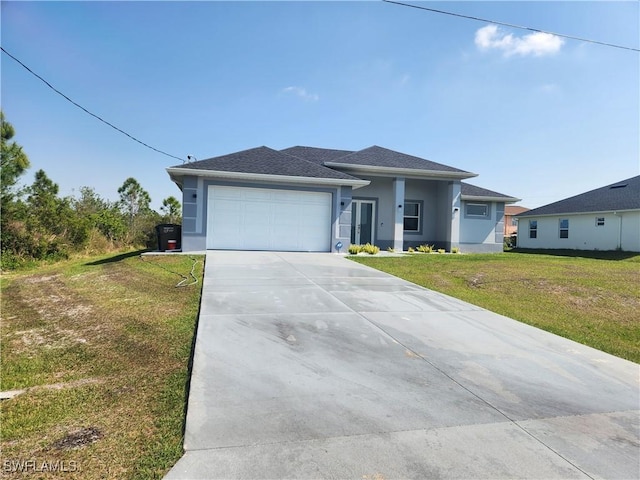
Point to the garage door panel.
(268, 219)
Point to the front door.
(363, 213)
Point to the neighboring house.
(317, 199)
(510, 220)
(606, 218)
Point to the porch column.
(398, 207)
(455, 212)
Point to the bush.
(455, 250)
(370, 249)
(355, 249)
(425, 248)
(441, 250)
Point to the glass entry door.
(362, 218)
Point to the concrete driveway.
(312, 366)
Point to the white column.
(398, 206)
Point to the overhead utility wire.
(511, 25)
(87, 111)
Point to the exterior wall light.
(338, 246)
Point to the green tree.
(13, 212)
(134, 200)
(135, 205)
(171, 209)
(101, 215)
(13, 161)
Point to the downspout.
(619, 215)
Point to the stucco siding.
(482, 230)
(586, 231)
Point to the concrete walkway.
(312, 366)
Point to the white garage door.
(263, 219)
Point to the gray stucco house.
(318, 199)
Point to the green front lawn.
(594, 301)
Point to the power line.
(469, 17)
(87, 111)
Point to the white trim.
(478, 198)
(261, 177)
(407, 172)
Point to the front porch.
(399, 212)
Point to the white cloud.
(301, 93)
(536, 44)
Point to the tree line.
(37, 224)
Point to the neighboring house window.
(564, 228)
(477, 209)
(412, 216)
(600, 222)
(514, 222)
(533, 229)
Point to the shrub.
(425, 248)
(410, 250)
(370, 249)
(455, 250)
(355, 249)
(391, 250)
(441, 250)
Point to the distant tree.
(134, 200)
(13, 161)
(135, 204)
(171, 209)
(102, 215)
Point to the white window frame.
(533, 228)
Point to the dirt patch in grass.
(101, 349)
(78, 438)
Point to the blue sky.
(537, 117)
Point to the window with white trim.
(564, 228)
(412, 214)
(533, 229)
(480, 210)
(599, 221)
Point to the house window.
(477, 209)
(514, 222)
(564, 228)
(533, 229)
(599, 221)
(412, 213)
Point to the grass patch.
(102, 348)
(592, 299)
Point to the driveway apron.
(313, 366)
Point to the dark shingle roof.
(383, 157)
(623, 195)
(316, 155)
(266, 161)
(473, 191)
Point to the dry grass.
(102, 350)
(594, 300)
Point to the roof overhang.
(177, 173)
(400, 172)
(560, 214)
(478, 198)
